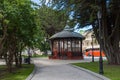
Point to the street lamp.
(46, 40)
(92, 36)
(100, 40)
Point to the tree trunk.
(9, 60)
(20, 59)
(111, 32)
(16, 59)
(11, 47)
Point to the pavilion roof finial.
(67, 28)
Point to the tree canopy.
(52, 20)
(19, 28)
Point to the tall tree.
(52, 20)
(85, 13)
(18, 28)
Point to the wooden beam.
(52, 41)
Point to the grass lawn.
(17, 74)
(110, 71)
(36, 56)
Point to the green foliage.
(37, 56)
(52, 20)
(18, 74)
(21, 17)
(22, 21)
(1, 16)
(83, 11)
(82, 31)
(19, 28)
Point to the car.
(96, 53)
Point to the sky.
(84, 29)
(36, 1)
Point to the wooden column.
(67, 45)
(81, 48)
(59, 48)
(75, 46)
(52, 41)
(71, 47)
(63, 47)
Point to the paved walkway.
(59, 70)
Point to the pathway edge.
(90, 72)
(32, 74)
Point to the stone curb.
(90, 72)
(32, 74)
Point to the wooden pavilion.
(66, 45)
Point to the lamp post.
(29, 56)
(92, 36)
(100, 39)
(46, 40)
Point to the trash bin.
(27, 60)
